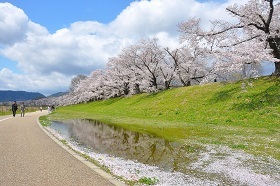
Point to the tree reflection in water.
(117, 141)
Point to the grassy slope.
(216, 113)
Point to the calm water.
(119, 142)
(202, 165)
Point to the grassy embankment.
(218, 113)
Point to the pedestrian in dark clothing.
(14, 108)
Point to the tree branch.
(261, 17)
(250, 24)
(258, 27)
(249, 39)
(270, 15)
(225, 30)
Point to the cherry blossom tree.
(118, 77)
(95, 84)
(254, 38)
(128, 58)
(168, 68)
(189, 63)
(75, 81)
(122, 73)
(149, 55)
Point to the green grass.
(7, 110)
(148, 181)
(217, 113)
(44, 120)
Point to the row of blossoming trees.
(223, 52)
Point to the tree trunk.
(126, 88)
(167, 85)
(277, 69)
(274, 44)
(126, 91)
(136, 88)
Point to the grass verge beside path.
(7, 110)
(242, 115)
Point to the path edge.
(95, 168)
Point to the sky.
(46, 43)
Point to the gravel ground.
(30, 157)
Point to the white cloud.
(144, 18)
(13, 24)
(49, 61)
(44, 84)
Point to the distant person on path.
(22, 110)
(14, 108)
(41, 108)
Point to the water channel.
(178, 163)
(119, 142)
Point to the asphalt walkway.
(30, 156)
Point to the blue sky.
(45, 43)
(56, 14)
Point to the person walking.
(14, 108)
(22, 109)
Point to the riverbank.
(139, 159)
(242, 115)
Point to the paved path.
(28, 156)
